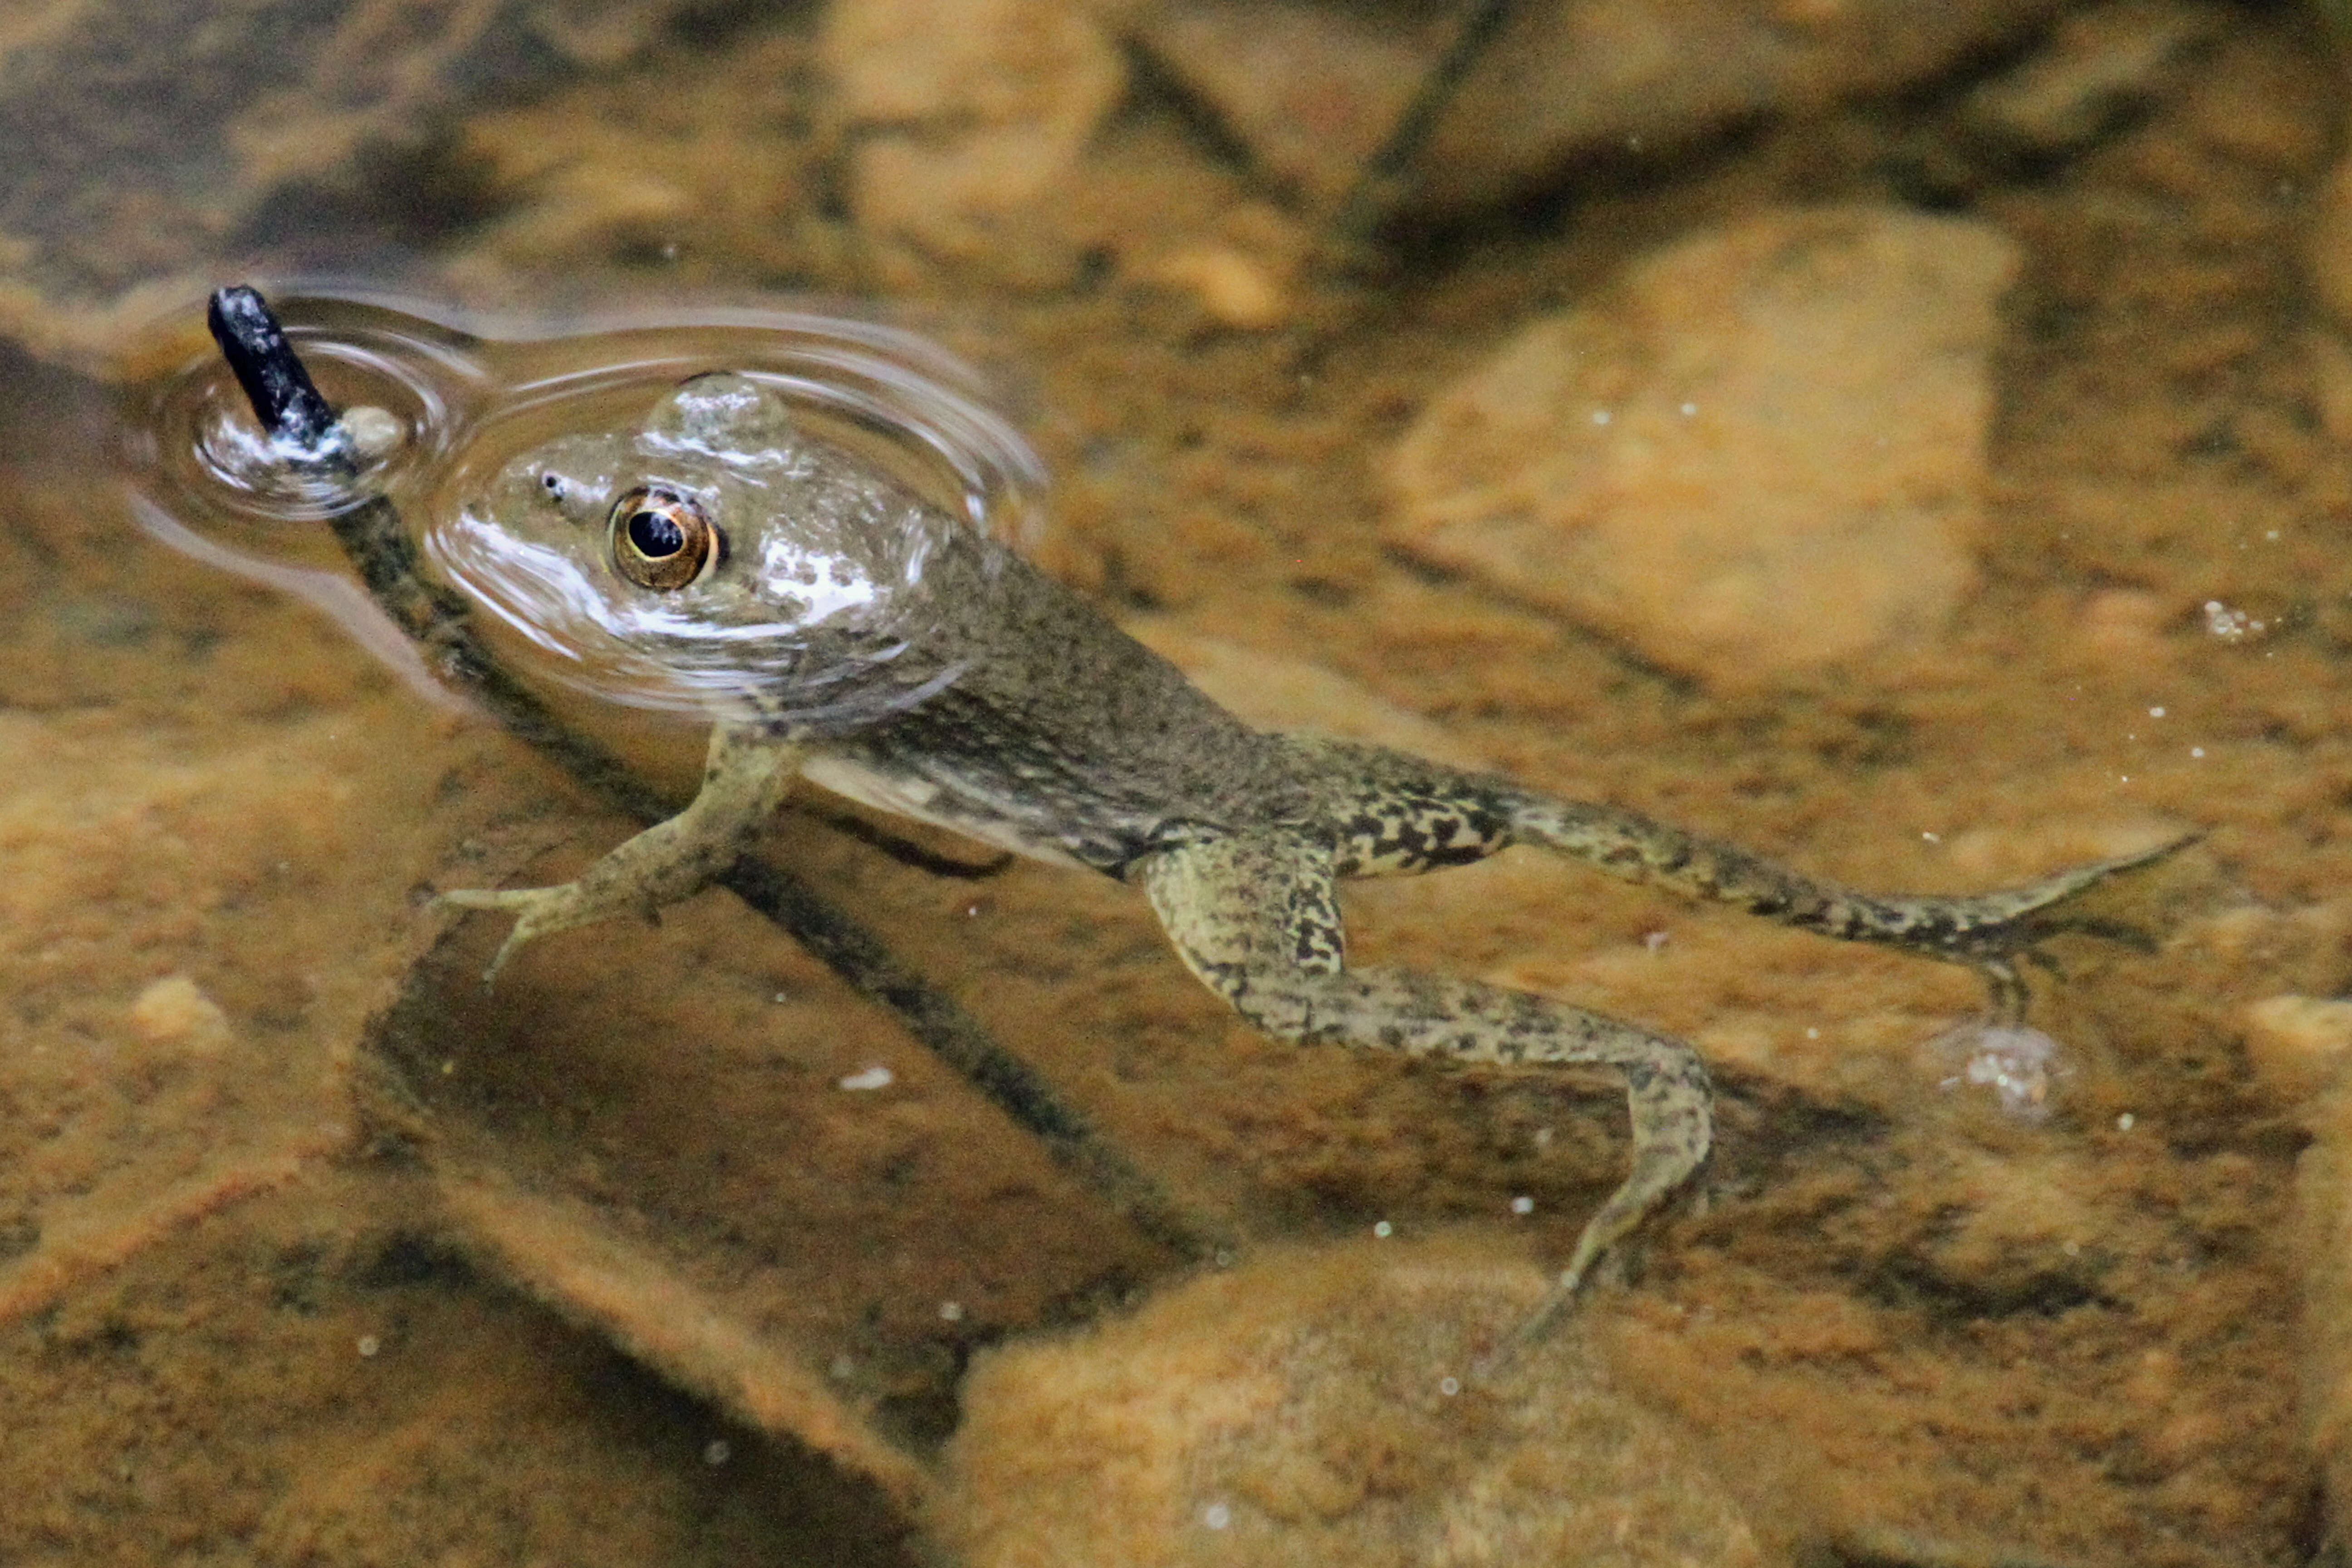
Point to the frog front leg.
(1256, 917)
(748, 772)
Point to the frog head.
(712, 553)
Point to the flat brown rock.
(1317, 1406)
(1762, 452)
(1313, 89)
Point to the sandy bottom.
(287, 1276)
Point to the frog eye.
(661, 539)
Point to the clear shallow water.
(1908, 1312)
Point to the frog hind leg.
(1399, 814)
(1990, 933)
(745, 778)
(1255, 917)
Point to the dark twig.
(906, 851)
(371, 534)
(1384, 175)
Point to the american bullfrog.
(894, 653)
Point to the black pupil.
(655, 534)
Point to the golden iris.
(661, 539)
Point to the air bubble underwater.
(2022, 1068)
(450, 400)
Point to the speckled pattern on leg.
(1965, 929)
(1256, 919)
(1393, 814)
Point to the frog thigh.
(745, 779)
(1255, 918)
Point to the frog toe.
(483, 899)
(540, 911)
(507, 949)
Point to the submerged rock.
(1762, 452)
(149, 143)
(1317, 1406)
(2297, 1044)
(963, 120)
(1311, 88)
(2323, 1207)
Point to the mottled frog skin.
(962, 687)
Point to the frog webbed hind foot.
(2032, 914)
(1997, 934)
(1256, 919)
(744, 781)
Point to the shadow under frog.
(839, 629)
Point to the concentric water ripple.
(461, 399)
